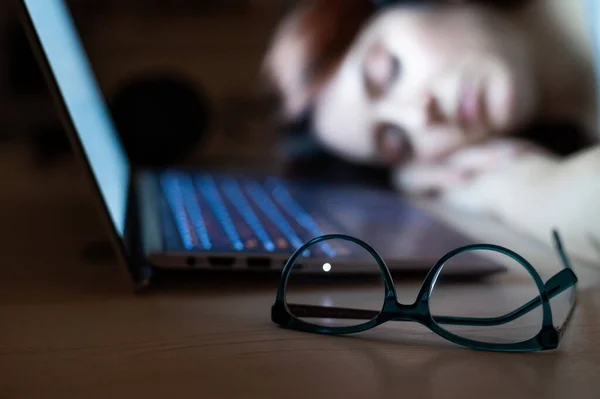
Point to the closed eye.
(380, 69)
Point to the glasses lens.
(335, 283)
(490, 306)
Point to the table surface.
(71, 327)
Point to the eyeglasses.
(328, 318)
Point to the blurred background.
(178, 68)
(183, 70)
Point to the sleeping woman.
(445, 92)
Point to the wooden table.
(71, 328)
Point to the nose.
(433, 114)
(393, 144)
(414, 113)
(423, 112)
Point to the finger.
(429, 179)
(484, 157)
(491, 155)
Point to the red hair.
(309, 45)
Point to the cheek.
(352, 147)
(343, 118)
(343, 137)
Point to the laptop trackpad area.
(383, 219)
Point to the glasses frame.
(547, 338)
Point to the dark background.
(181, 74)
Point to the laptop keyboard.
(214, 213)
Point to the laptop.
(214, 220)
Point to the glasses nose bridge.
(400, 312)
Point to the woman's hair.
(312, 41)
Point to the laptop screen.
(87, 109)
(593, 12)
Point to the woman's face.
(419, 83)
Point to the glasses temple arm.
(507, 318)
(327, 312)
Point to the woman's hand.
(465, 167)
(525, 188)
